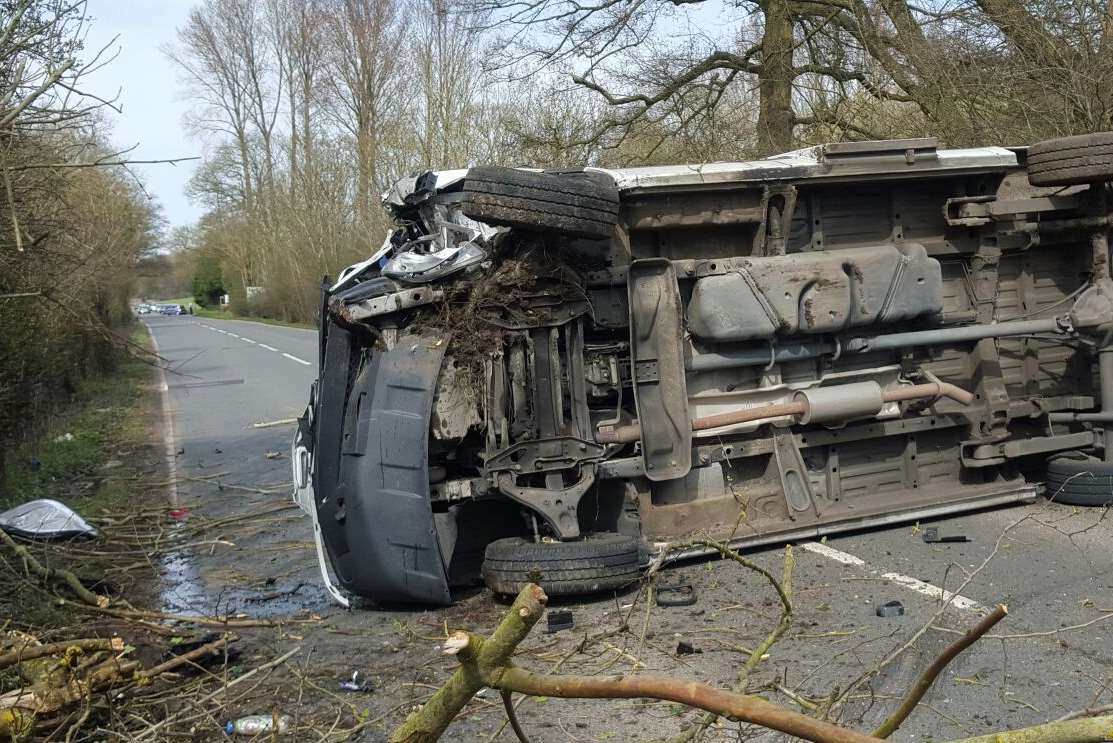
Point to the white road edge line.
(295, 358)
(912, 584)
(247, 340)
(167, 427)
(269, 348)
(233, 335)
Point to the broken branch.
(927, 678)
(53, 575)
(33, 652)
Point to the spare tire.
(578, 205)
(1069, 161)
(599, 562)
(1080, 482)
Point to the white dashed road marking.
(935, 592)
(913, 584)
(260, 345)
(833, 554)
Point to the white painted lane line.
(295, 358)
(833, 554)
(247, 340)
(269, 348)
(912, 584)
(935, 592)
(233, 335)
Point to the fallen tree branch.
(33, 652)
(783, 587)
(53, 575)
(142, 615)
(189, 658)
(1085, 730)
(486, 662)
(927, 678)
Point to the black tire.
(1086, 158)
(578, 205)
(1080, 482)
(601, 562)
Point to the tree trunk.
(775, 116)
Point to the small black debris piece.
(686, 648)
(891, 609)
(559, 620)
(679, 595)
(931, 535)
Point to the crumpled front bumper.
(361, 472)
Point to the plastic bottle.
(253, 725)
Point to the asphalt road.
(1052, 565)
(225, 378)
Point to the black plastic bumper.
(371, 475)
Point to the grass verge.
(87, 448)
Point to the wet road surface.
(1052, 564)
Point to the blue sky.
(150, 94)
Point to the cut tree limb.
(53, 575)
(927, 678)
(478, 659)
(487, 663)
(33, 652)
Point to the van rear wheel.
(599, 562)
(1080, 482)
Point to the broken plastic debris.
(45, 520)
(356, 683)
(416, 266)
(679, 595)
(180, 514)
(559, 620)
(931, 535)
(891, 609)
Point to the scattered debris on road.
(932, 536)
(891, 609)
(560, 620)
(279, 422)
(678, 595)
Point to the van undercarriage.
(553, 374)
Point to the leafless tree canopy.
(71, 227)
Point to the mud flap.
(660, 390)
(372, 474)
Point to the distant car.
(171, 309)
(142, 309)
